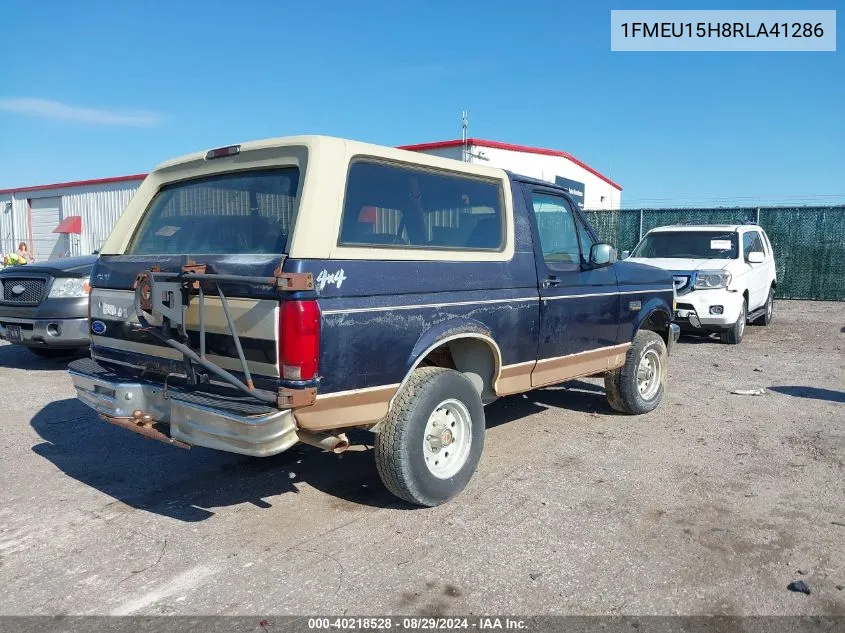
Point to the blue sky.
(94, 89)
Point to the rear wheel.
(734, 335)
(766, 317)
(638, 386)
(47, 352)
(429, 446)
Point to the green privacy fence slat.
(809, 242)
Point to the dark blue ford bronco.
(289, 290)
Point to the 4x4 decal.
(326, 278)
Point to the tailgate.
(117, 334)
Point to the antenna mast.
(466, 154)
(464, 127)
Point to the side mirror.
(756, 257)
(602, 254)
(625, 255)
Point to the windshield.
(250, 212)
(688, 245)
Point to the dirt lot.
(710, 505)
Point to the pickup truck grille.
(19, 291)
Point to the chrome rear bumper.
(127, 403)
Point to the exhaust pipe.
(332, 443)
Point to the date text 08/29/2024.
(480, 623)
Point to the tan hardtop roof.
(323, 188)
(345, 147)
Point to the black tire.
(622, 385)
(767, 316)
(53, 353)
(400, 454)
(733, 336)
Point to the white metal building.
(32, 214)
(590, 188)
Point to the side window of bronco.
(587, 240)
(556, 229)
(397, 205)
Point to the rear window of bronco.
(395, 205)
(249, 212)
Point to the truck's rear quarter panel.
(373, 323)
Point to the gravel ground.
(710, 505)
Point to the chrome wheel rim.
(648, 375)
(447, 439)
(769, 307)
(742, 321)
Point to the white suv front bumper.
(700, 308)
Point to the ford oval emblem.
(98, 327)
(18, 290)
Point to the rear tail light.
(299, 339)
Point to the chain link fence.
(809, 242)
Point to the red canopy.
(71, 224)
(368, 215)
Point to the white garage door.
(46, 215)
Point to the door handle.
(551, 282)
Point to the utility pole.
(466, 154)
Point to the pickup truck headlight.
(708, 279)
(68, 288)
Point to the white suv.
(724, 275)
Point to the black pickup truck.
(44, 307)
(289, 290)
